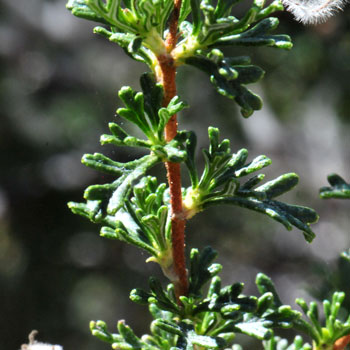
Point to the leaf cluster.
(220, 183)
(139, 27)
(213, 27)
(210, 321)
(336, 325)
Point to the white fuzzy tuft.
(313, 11)
(34, 345)
(43, 346)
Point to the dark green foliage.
(134, 209)
(136, 17)
(209, 321)
(139, 26)
(142, 220)
(214, 26)
(335, 326)
(219, 184)
(229, 76)
(144, 109)
(202, 270)
(339, 188)
(81, 9)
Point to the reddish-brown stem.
(341, 343)
(173, 24)
(167, 77)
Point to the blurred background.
(58, 91)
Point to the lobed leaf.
(220, 184)
(79, 8)
(339, 188)
(231, 85)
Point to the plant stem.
(174, 21)
(167, 78)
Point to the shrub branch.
(167, 77)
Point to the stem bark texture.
(168, 79)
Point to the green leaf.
(286, 214)
(258, 36)
(188, 338)
(201, 270)
(221, 184)
(265, 285)
(99, 330)
(129, 336)
(196, 16)
(104, 164)
(254, 328)
(79, 8)
(279, 186)
(324, 333)
(161, 298)
(232, 86)
(339, 188)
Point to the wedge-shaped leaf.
(129, 230)
(79, 8)
(269, 313)
(253, 327)
(279, 186)
(265, 285)
(120, 195)
(232, 85)
(171, 151)
(339, 188)
(257, 164)
(109, 205)
(286, 214)
(113, 196)
(230, 303)
(145, 110)
(221, 183)
(129, 336)
(164, 300)
(104, 164)
(99, 330)
(131, 43)
(153, 95)
(258, 36)
(202, 270)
